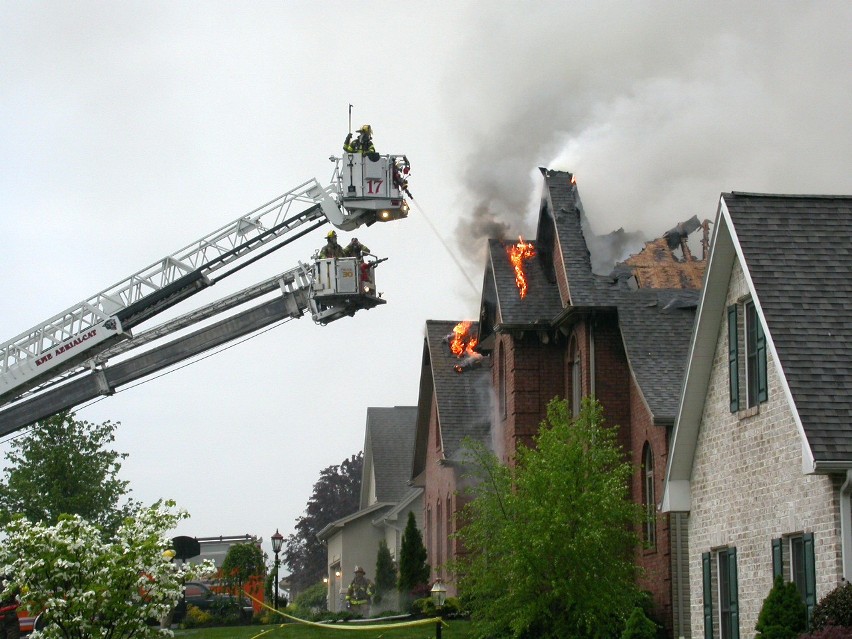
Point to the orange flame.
(463, 342)
(517, 254)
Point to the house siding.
(747, 487)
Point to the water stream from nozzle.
(441, 239)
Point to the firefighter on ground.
(360, 592)
(331, 248)
(9, 625)
(363, 144)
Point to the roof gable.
(462, 400)
(794, 252)
(388, 451)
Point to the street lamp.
(277, 540)
(439, 596)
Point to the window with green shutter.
(708, 594)
(777, 558)
(733, 359)
(756, 385)
(729, 609)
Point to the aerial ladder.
(65, 360)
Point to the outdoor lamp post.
(439, 596)
(277, 540)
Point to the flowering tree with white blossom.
(90, 588)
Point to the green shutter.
(810, 574)
(762, 387)
(733, 592)
(708, 595)
(777, 559)
(733, 363)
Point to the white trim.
(846, 526)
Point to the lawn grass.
(456, 630)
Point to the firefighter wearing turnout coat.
(9, 625)
(360, 593)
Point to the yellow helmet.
(366, 129)
(330, 235)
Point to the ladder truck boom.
(363, 190)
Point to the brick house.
(386, 499)
(762, 450)
(622, 337)
(451, 407)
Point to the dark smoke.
(656, 107)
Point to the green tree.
(549, 541)
(242, 562)
(783, 615)
(413, 570)
(385, 571)
(336, 494)
(65, 466)
(92, 588)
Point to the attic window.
(753, 364)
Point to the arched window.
(439, 541)
(501, 378)
(576, 377)
(649, 502)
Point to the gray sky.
(132, 129)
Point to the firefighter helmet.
(359, 569)
(366, 129)
(330, 235)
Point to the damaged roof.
(654, 291)
(390, 441)
(463, 399)
(798, 251)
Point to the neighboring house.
(762, 450)
(386, 500)
(622, 337)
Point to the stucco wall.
(748, 488)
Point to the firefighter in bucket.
(360, 593)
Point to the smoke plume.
(656, 107)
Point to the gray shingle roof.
(564, 202)
(541, 303)
(391, 438)
(657, 326)
(463, 398)
(798, 250)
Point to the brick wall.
(654, 559)
(748, 488)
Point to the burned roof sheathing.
(463, 400)
(798, 251)
(390, 440)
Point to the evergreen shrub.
(783, 614)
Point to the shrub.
(639, 626)
(830, 632)
(784, 614)
(835, 609)
(313, 597)
(196, 618)
(425, 606)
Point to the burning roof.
(462, 342)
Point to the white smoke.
(656, 107)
